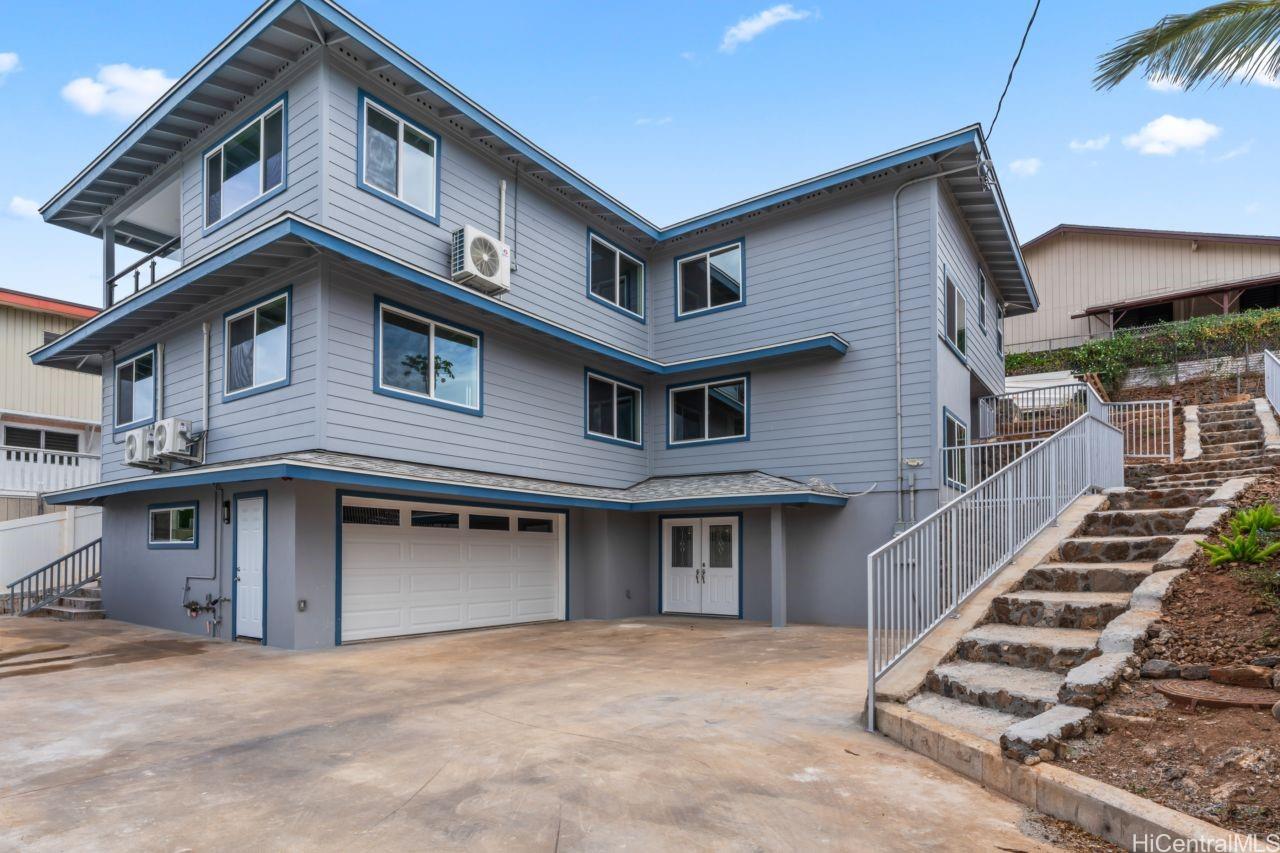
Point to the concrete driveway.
(650, 734)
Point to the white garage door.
(412, 568)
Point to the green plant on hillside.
(1241, 548)
(1261, 517)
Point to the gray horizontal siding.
(549, 240)
(962, 261)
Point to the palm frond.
(1238, 39)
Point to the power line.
(992, 128)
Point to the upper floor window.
(982, 301)
(173, 525)
(422, 359)
(955, 317)
(136, 389)
(613, 409)
(709, 280)
(399, 159)
(708, 411)
(245, 166)
(257, 346)
(615, 277)
(1000, 330)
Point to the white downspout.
(159, 380)
(502, 210)
(204, 393)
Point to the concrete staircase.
(83, 603)
(1053, 647)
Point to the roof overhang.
(1151, 234)
(288, 240)
(428, 481)
(1169, 296)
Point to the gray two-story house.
(412, 373)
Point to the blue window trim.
(193, 545)
(235, 532)
(362, 100)
(947, 413)
(287, 293)
(426, 499)
(378, 388)
(587, 373)
(210, 227)
(118, 428)
(675, 278)
(702, 442)
(662, 544)
(644, 277)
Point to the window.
(373, 515)
(1000, 330)
(709, 280)
(257, 347)
(955, 434)
(955, 317)
(173, 525)
(534, 525)
(35, 439)
(711, 411)
(614, 277)
(613, 409)
(399, 160)
(427, 361)
(245, 167)
(489, 522)
(136, 389)
(982, 302)
(426, 518)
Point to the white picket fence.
(26, 544)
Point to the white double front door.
(700, 565)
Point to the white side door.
(249, 569)
(720, 566)
(682, 565)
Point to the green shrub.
(1261, 517)
(1241, 548)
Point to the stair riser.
(1230, 436)
(1002, 701)
(1023, 655)
(1114, 550)
(79, 615)
(1156, 499)
(1121, 523)
(1054, 614)
(1046, 578)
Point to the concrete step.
(1157, 498)
(1051, 649)
(1196, 466)
(1087, 577)
(1216, 427)
(1136, 522)
(1206, 478)
(1052, 609)
(1021, 692)
(986, 723)
(1216, 410)
(1114, 549)
(81, 602)
(1237, 447)
(73, 613)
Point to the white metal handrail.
(918, 578)
(964, 466)
(1271, 373)
(1036, 411)
(1147, 426)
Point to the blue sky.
(679, 107)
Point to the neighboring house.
(50, 420)
(396, 427)
(1093, 280)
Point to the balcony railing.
(27, 472)
(140, 274)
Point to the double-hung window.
(710, 280)
(257, 346)
(173, 525)
(982, 302)
(135, 397)
(245, 167)
(955, 441)
(615, 277)
(955, 317)
(399, 159)
(422, 359)
(708, 411)
(613, 409)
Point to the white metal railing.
(1147, 426)
(918, 578)
(1036, 411)
(963, 467)
(1271, 372)
(30, 471)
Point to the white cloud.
(1169, 134)
(9, 63)
(645, 121)
(750, 28)
(1026, 167)
(1238, 151)
(119, 90)
(24, 208)
(1162, 84)
(1097, 143)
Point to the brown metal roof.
(1168, 296)
(1151, 234)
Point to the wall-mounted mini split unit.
(169, 438)
(480, 261)
(139, 450)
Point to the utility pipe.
(502, 210)
(897, 319)
(204, 392)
